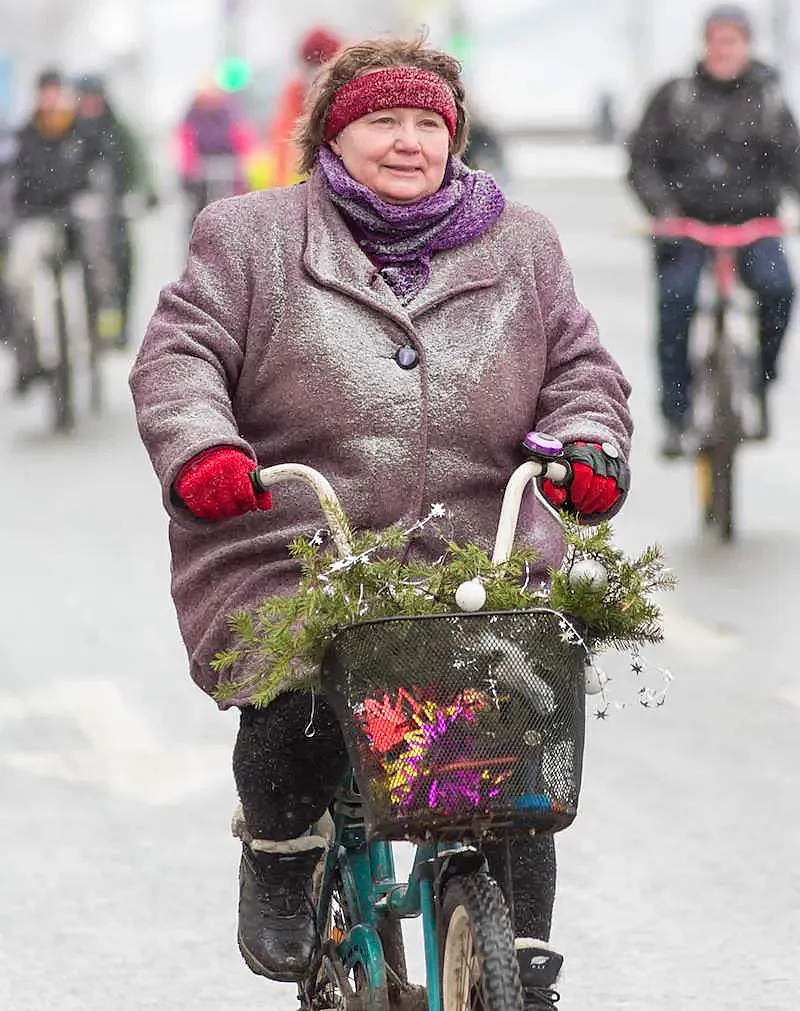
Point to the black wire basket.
(461, 725)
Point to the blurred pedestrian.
(485, 150)
(213, 139)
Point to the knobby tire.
(474, 904)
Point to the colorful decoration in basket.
(429, 752)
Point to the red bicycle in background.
(724, 351)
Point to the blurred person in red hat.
(318, 46)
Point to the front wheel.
(479, 963)
(715, 473)
(722, 460)
(62, 385)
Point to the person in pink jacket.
(398, 324)
(212, 133)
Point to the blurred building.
(529, 63)
(551, 62)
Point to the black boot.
(539, 967)
(277, 928)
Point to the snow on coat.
(280, 338)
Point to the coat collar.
(333, 258)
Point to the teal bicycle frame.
(371, 891)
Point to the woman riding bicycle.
(397, 324)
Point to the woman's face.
(400, 154)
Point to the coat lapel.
(456, 271)
(333, 259)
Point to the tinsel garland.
(281, 643)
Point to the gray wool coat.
(280, 337)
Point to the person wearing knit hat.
(720, 145)
(398, 324)
(319, 45)
(123, 156)
(730, 14)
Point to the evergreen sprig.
(280, 645)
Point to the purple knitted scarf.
(403, 237)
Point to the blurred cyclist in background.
(317, 47)
(115, 145)
(213, 138)
(48, 169)
(718, 146)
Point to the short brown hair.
(376, 54)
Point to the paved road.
(679, 885)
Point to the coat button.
(610, 450)
(407, 358)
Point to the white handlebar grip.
(512, 502)
(328, 499)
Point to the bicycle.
(724, 367)
(95, 212)
(220, 176)
(52, 312)
(517, 763)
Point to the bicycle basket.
(461, 724)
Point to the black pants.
(286, 781)
(679, 263)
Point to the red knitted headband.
(390, 88)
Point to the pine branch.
(285, 638)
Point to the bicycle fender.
(460, 862)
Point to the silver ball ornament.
(471, 596)
(588, 570)
(593, 679)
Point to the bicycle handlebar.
(718, 236)
(557, 470)
(264, 478)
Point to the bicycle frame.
(726, 429)
(367, 873)
(724, 240)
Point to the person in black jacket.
(47, 170)
(50, 162)
(720, 146)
